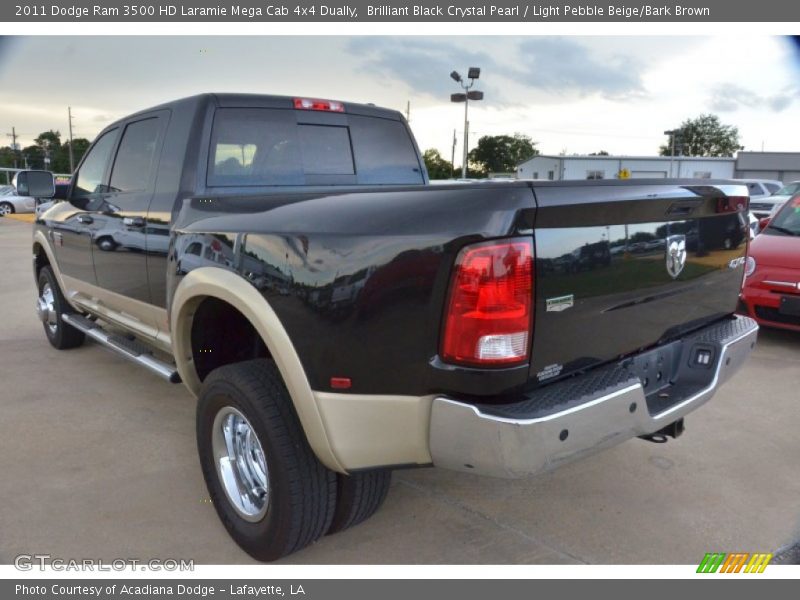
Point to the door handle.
(133, 221)
(85, 219)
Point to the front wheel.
(269, 489)
(50, 308)
(6, 208)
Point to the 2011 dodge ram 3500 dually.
(337, 317)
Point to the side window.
(133, 167)
(90, 176)
(595, 174)
(194, 248)
(754, 189)
(772, 188)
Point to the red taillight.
(489, 315)
(312, 104)
(732, 204)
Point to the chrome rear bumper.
(468, 438)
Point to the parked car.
(11, 203)
(338, 317)
(760, 192)
(781, 196)
(771, 292)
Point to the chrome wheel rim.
(5, 209)
(46, 309)
(241, 464)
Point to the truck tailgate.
(625, 267)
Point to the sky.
(572, 94)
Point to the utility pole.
(71, 155)
(13, 136)
(408, 111)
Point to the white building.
(636, 167)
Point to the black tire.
(302, 491)
(63, 336)
(358, 497)
(8, 208)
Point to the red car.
(771, 291)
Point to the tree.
(79, 148)
(47, 143)
(703, 136)
(438, 167)
(601, 153)
(502, 153)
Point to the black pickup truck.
(339, 317)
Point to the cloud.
(551, 65)
(730, 97)
(424, 65)
(564, 66)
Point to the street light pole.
(473, 74)
(671, 133)
(466, 138)
(453, 155)
(71, 155)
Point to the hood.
(776, 250)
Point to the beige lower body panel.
(366, 431)
(140, 318)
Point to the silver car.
(11, 203)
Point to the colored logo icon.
(737, 562)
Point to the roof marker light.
(314, 104)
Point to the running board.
(130, 349)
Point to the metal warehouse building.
(637, 167)
(783, 166)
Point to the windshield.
(5, 190)
(787, 221)
(789, 189)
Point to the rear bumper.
(575, 418)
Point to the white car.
(10, 203)
(781, 196)
(760, 192)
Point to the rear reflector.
(489, 316)
(324, 105)
(341, 383)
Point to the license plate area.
(790, 306)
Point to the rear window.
(275, 147)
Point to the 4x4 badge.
(676, 254)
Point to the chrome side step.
(130, 349)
